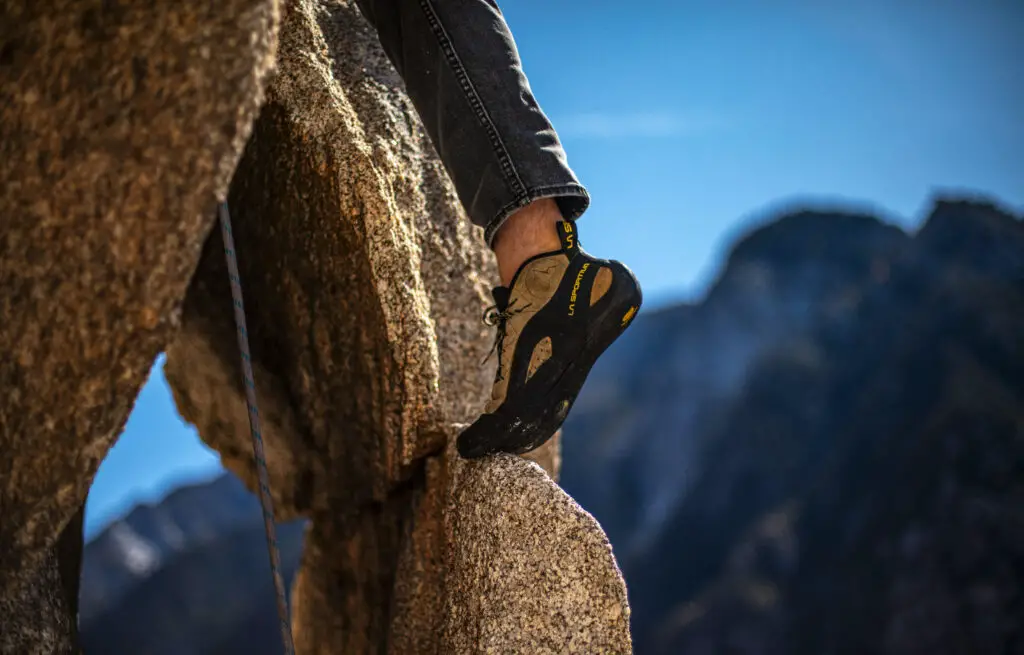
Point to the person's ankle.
(527, 232)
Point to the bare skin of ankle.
(528, 232)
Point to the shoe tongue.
(501, 296)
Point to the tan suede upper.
(533, 288)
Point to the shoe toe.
(482, 437)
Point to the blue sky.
(687, 120)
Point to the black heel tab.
(569, 237)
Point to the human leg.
(463, 73)
(558, 307)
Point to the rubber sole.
(528, 421)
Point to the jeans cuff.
(572, 200)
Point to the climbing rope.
(254, 428)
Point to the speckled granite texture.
(121, 122)
(364, 285)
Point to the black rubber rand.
(567, 333)
(535, 408)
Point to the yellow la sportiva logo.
(570, 238)
(576, 288)
(630, 313)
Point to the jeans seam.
(534, 193)
(508, 169)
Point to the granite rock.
(559, 590)
(120, 125)
(123, 126)
(364, 285)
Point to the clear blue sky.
(688, 119)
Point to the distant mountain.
(824, 455)
(632, 437)
(189, 575)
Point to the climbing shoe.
(561, 311)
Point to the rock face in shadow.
(851, 482)
(120, 126)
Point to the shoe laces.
(497, 316)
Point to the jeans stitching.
(504, 159)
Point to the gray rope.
(254, 427)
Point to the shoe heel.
(625, 297)
(628, 296)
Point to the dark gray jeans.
(462, 71)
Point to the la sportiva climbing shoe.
(560, 312)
